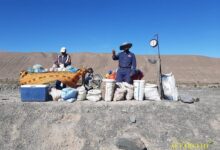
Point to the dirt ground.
(85, 125)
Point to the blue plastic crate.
(34, 93)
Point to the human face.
(126, 48)
(63, 53)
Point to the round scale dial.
(153, 43)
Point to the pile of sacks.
(38, 68)
(66, 94)
(71, 94)
(124, 91)
(62, 68)
(140, 90)
(112, 91)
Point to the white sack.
(151, 92)
(169, 87)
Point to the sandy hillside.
(187, 69)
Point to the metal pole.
(160, 86)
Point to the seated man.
(63, 60)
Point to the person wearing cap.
(127, 63)
(64, 59)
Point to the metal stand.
(159, 82)
(155, 43)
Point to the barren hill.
(187, 69)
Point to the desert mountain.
(186, 68)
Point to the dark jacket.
(126, 60)
(63, 59)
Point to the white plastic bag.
(169, 87)
(119, 94)
(151, 92)
(81, 93)
(56, 94)
(130, 91)
(94, 95)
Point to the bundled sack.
(81, 93)
(169, 87)
(56, 94)
(119, 92)
(36, 69)
(130, 90)
(151, 92)
(69, 94)
(94, 95)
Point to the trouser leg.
(119, 76)
(127, 76)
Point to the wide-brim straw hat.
(126, 44)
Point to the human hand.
(132, 73)
(113, 52)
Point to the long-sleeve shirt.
(63, 59)
(126, 60)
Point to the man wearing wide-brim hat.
(127, 63)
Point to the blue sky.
(184, 26)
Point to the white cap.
(63, 50)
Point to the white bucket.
(139, 89)
(109, 89)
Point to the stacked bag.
(81, 93)
(151, 92)
(66, 94)
(124, 91)
(119, 91)
(94, 95)
(169, 87)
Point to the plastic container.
(109, 88)
(34, 93)
(139, 89)
(151, 92)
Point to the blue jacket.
(126, 60)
